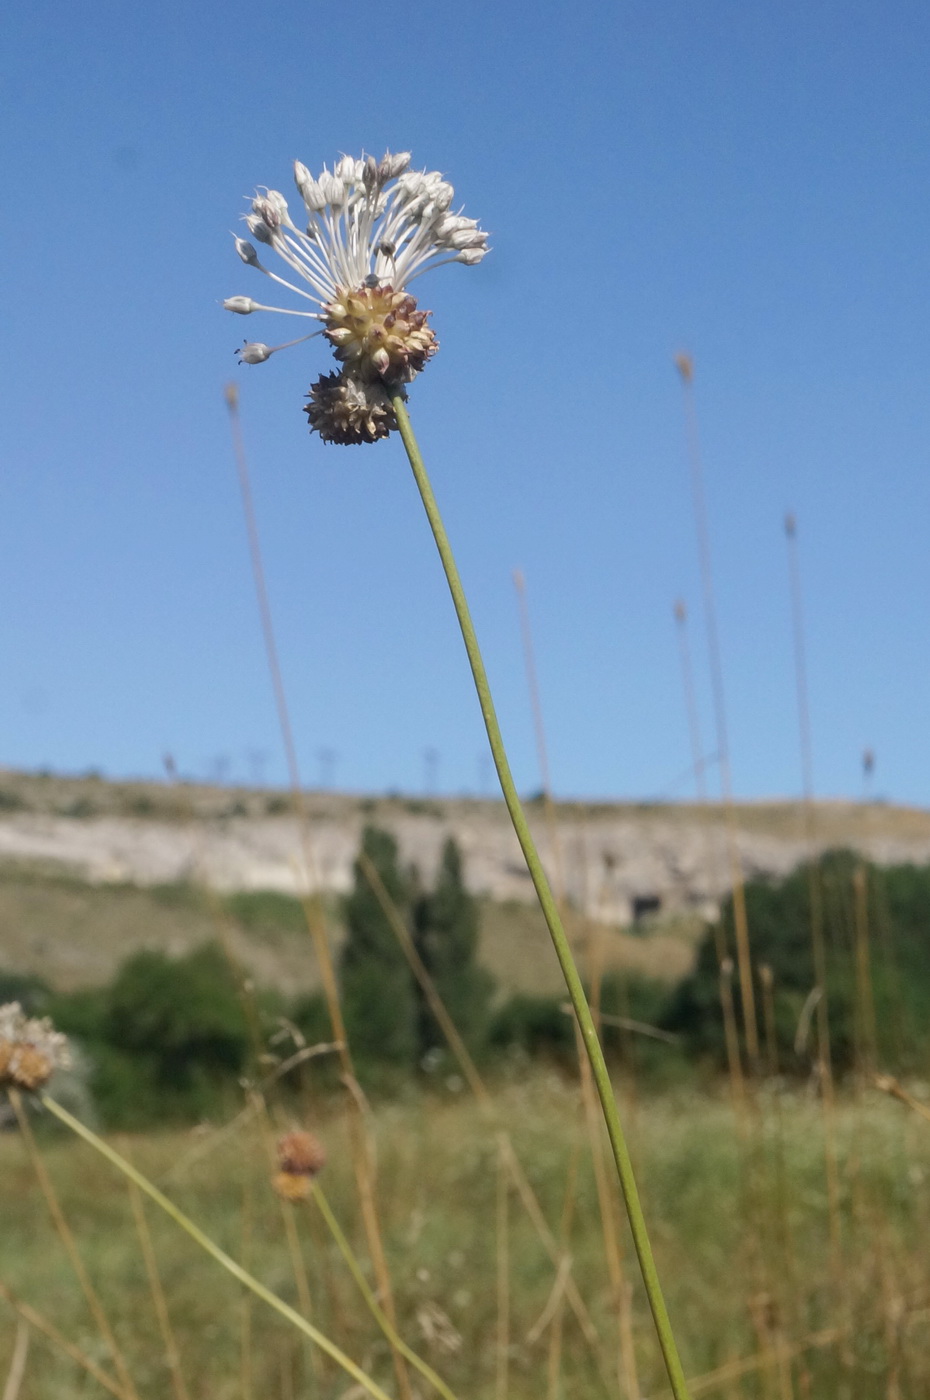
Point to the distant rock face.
(616, 863)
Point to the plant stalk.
(220, 1255)
(550, 911)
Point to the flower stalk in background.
(372, 227)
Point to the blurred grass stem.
(360, 1147)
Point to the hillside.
(90, 870)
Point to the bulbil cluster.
(30, 1049)
(372, 227)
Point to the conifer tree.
(446, 938)
(379, 1003)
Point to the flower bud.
(271, 208)
(470, 256)
(391, 166)
(254, 352)
(345, 170)
(243, 306)
(467, 238)
(442, 195)
(371, 176)
(258, 228)
(333, 189)
(247, 252)
(276, 199)
(310, 191)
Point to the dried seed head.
(301, 1154)
(379, 333)
(30, 1050)
(345, 410)
(685, 366)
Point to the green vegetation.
(167, 1039)
(437, 1189)
(445, 933)
(378, 998)
(878, 973)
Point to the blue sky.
(746, 181)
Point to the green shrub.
(536, 1025)
(166, 1039)
(896, 907)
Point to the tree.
(181, 1014)
(446, 938)
(377, 989)
(893, 909)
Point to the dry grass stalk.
(66, 1236)
(360, 1147)
(502, 1339)
(824, 1056)
(865, 994)
(477, 1086)
(48, 1329)
(18, 1360)
(606, 1189)
(159, 1302)
(685, 366)
(245, 1302)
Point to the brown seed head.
(685, 366)
(301, 1154)
(345, 410)
(379, 334)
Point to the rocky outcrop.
(615, 862)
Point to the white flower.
(371, 226)
(30, 1049)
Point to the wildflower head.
(301, 1157)
(366, 231)
(30, 1049)
(301, 1154)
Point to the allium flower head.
(372, 227)
(30, 1049)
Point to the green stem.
(547, 902)
(207, 1244)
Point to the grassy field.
(738, 1210)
